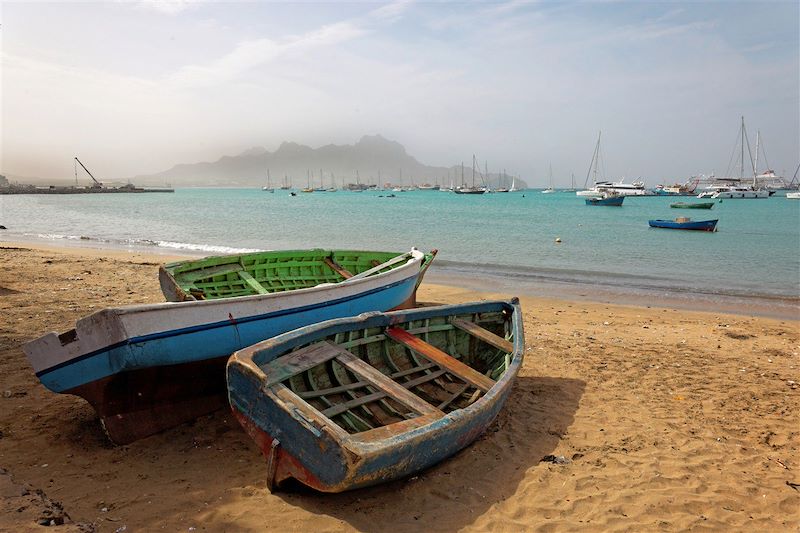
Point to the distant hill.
(376, 159)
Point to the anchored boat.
(145, 368)
(689, 205)
(606, 199)
(685, 223)
(359, 401)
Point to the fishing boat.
(359, 401)
(696, 205)
(607, 199)
(685, 223)
(145, 368)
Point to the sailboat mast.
(741, 165)
(758, 140)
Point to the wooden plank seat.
(252, 282)
(374, 270)
(310, 356)
(197, 275)
(483, 334)
(444, 360)
(338, 268)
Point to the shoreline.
(478, 279)
(660, 420)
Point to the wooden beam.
(338, 268)
(196, 275)
(299, 361)
(359, 384)
(483, 334)
(390, 262)
(375, 396)
(251, 281)
(379, 380)
(435, 355)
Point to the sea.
(527, 242)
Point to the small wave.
(204, 247)
(189, 247)
(55, 236)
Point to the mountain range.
(372, 160)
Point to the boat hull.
(742, 194)
(614, 201)
(699, 205)
(149, 367)
(300, 444)
(700, 225)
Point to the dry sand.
(667, 420)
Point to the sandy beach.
(623, 418)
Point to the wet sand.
(665, 420)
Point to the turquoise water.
(755, 252)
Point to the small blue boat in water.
(605, 200)
(685, 223)
(357, 401)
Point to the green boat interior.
(267, 272)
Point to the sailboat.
(286, 185)
(767, 179)
(592, 170)
(572, 188)
(321, 187)
(308, 178)
(549, 189)
(513, 184)
(332, 188)
(463, 189)
(267, 187)
(732, 187)
(503, 187)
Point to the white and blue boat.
(145, 368)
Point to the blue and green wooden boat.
(686, 224)
(363, 400)
(145, 368)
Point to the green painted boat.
(698, 205)
(258, 273)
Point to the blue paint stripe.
(203, 342)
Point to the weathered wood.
(375, 396)
(251, 281)
(483, 334)
(338, 268)
(398, 428)
(461, 390)
(435, 355)
(299, 361)
(387, 264)
(359, 384)
(382, 382)
(192, 276)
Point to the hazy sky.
(135, 87)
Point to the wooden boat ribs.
(256, 273)
(391, 375)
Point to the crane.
(97, 184)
